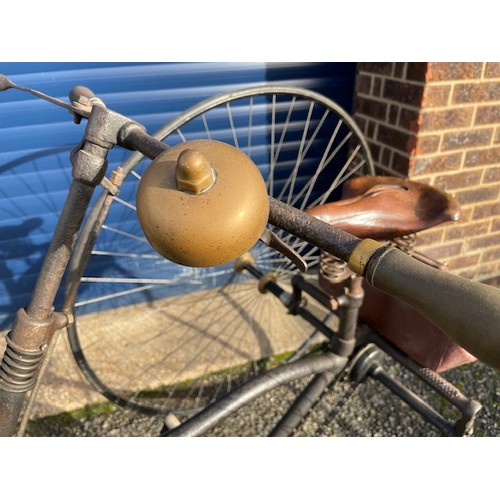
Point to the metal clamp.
(102, 133)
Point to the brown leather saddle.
(385, 207)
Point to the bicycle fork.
(35, 326)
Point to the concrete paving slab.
(168, 341)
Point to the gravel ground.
(347, 409)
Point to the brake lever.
(275, 242)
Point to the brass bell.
(202, 203)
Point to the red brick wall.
(439, 123)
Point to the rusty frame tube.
(218, 411)
(34, 327)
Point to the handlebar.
(467, 311)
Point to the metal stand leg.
(367, 364)
(303, 404)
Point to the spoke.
(339, 147)
(327, 162)
(264, 253)
(190, 279)
(186, 302)
(302, 155)
(151, 281)
(348, 174)
(125, 366)
(231, 124)
(299, 156)
(127, 254)
(270, 179)
(125, 203)
(111, 296)
(277, 260)
(206, 127)
(136, 175)
(231, 342)
(340, 178)
(210, 338)
(316, 132)
(322, 165)
(285, 129)
(124, 233)
(250, 122)
(181, 135)
(274, 155)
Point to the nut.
(194, 173)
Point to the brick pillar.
(439, 123)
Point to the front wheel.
(159, 337)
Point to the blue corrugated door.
(36, 137)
